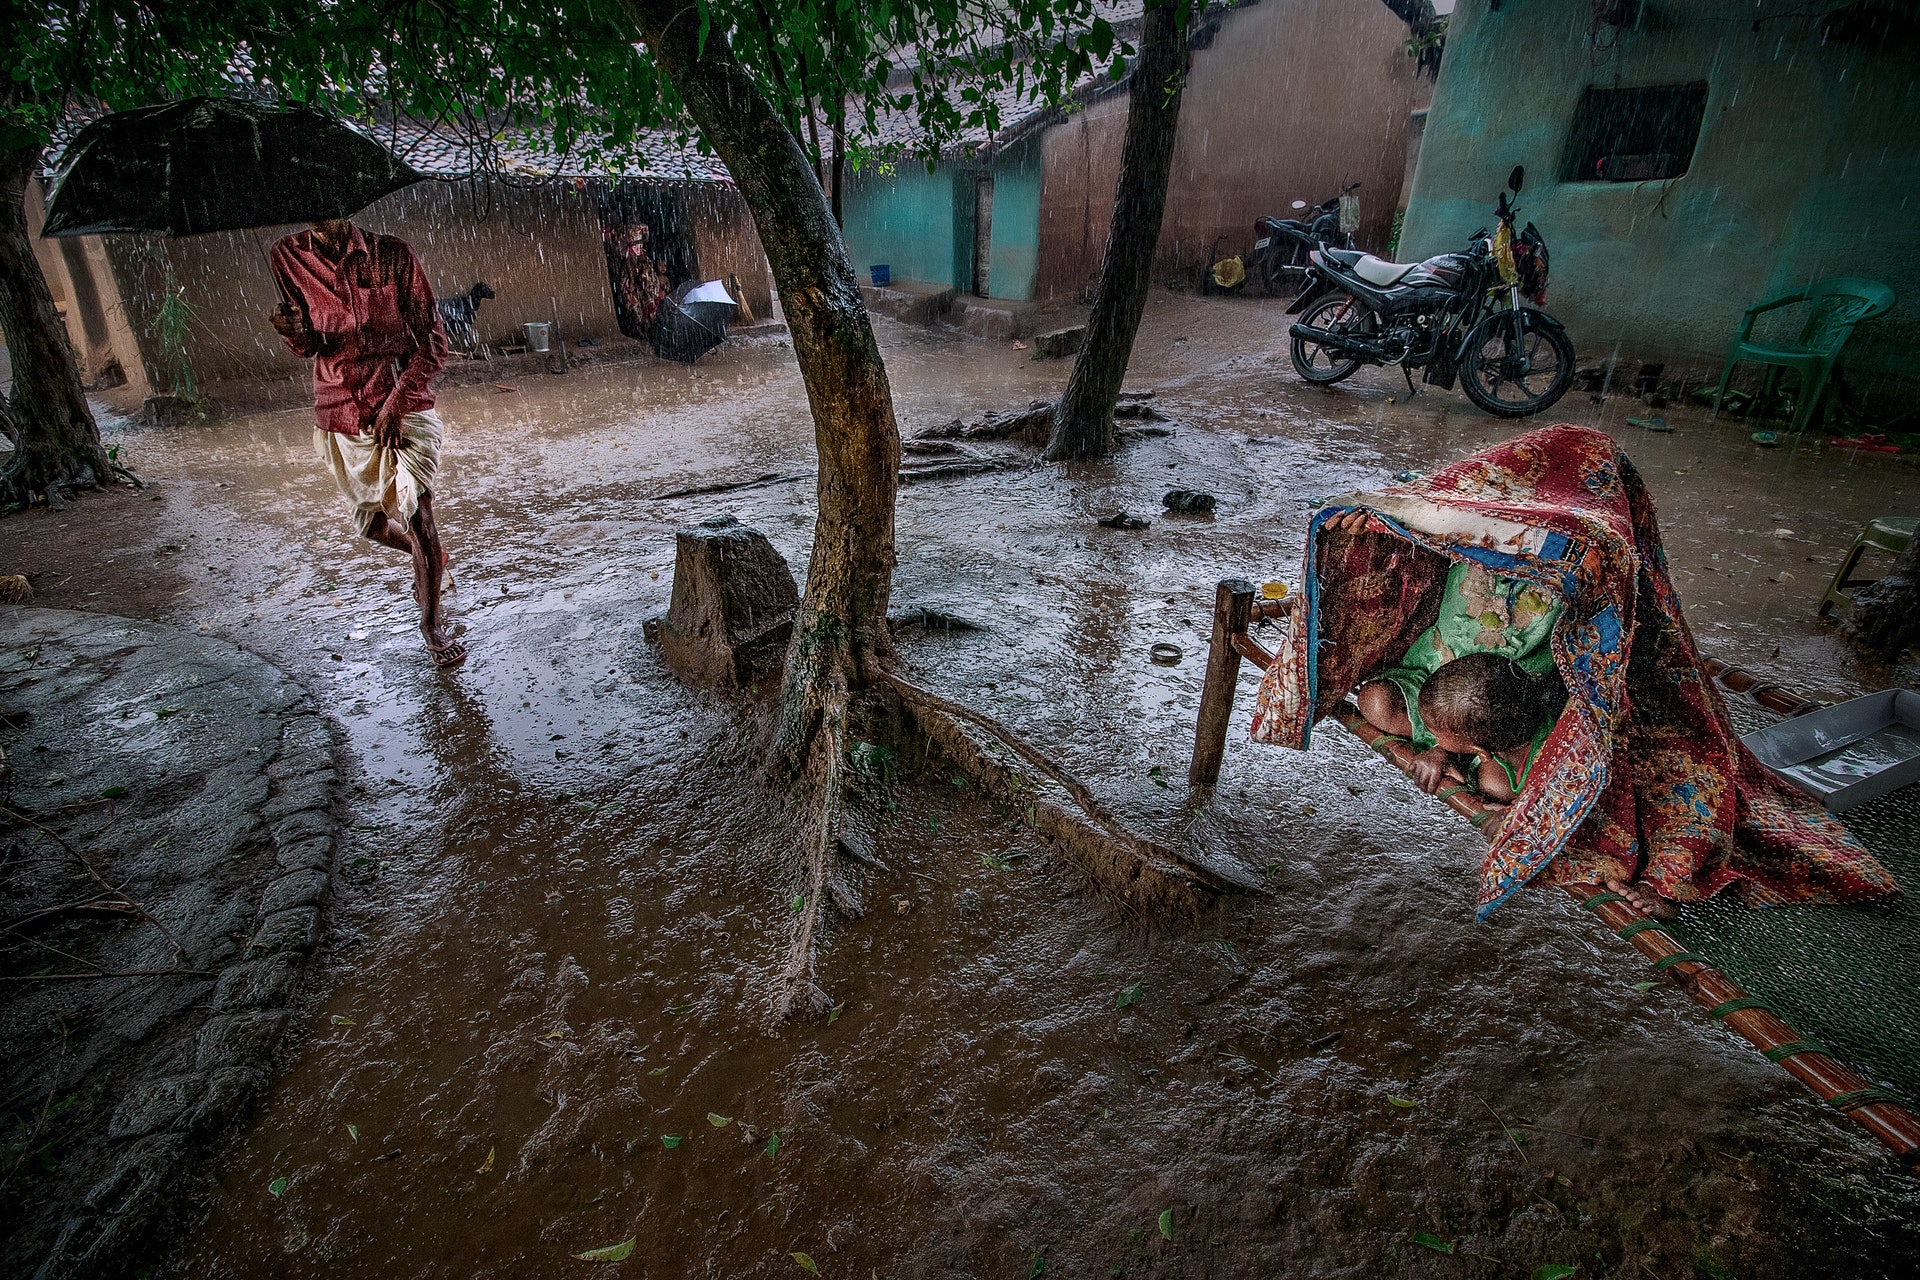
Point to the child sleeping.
(1483, 712)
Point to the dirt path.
(564, 891)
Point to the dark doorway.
(647, 232)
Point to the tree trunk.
(1083, 423)
(1885, 618)
(56, 443)
(840, 639)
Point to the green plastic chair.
(1839, 303)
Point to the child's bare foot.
(1643, 896)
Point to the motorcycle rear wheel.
(1533, 368)
(1314, 362)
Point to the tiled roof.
(525, 154)
(521, 154)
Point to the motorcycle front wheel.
(1516, 366)
(1340, 313)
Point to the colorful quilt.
(1642, 777)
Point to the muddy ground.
(543, 1022)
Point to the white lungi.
(374, 479)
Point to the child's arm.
(1491, 779)
(1385, 707)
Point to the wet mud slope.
(544, 1027)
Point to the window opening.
(1635, 135)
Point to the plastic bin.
(882, 274)
(1849, 753)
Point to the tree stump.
(732, 606)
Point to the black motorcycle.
(1457, 314)
(1281, 245)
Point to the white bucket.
(538, 339)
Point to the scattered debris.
(1125, 520)
(1658, 426)
(14, 588)
(1188, 502)
(1165, 654)
(930, 619)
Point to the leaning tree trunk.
(840, 639)
(56, 445)
(1083, 422)
(1885, 618)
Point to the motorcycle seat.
(1375, 271)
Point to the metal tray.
(1848, 753)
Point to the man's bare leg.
(429, 573)
(382, 531)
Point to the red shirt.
(376, 332)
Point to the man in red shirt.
(360, 306)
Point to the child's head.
(1486, 703)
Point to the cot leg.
(1232, 610)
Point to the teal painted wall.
(1015, 252)
(905, 218)
(1808, 165)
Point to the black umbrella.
(217, 164)
(677, 335)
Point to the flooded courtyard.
(540, 1021)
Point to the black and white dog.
(456, 316)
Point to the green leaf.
(718, 1121)
(353, 1131)
(1166, 1223)
(611, 1252)
(342, 1020)
(833, 1014)
(1038, 1267)
(658, 1071)
(773, 1144)
(277, 1187)
(1399, 1101)
(1644, 987)
(113, 793)
(669, 1140)
(486, 1166)
(804, 1262)
(799, 903)
(1553, 1271)
(164, 712)
(1130, 996)
(1158, 774)
(1433, 1242)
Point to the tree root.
(797, 992)
(972, 465)
(1033, 424)
(941, 470)
(772, 477)
(1137, 873)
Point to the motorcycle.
(1281, 245)
(1453, 315)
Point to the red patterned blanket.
(1642, 777)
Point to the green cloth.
(1519, 780)
(1480, 612)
